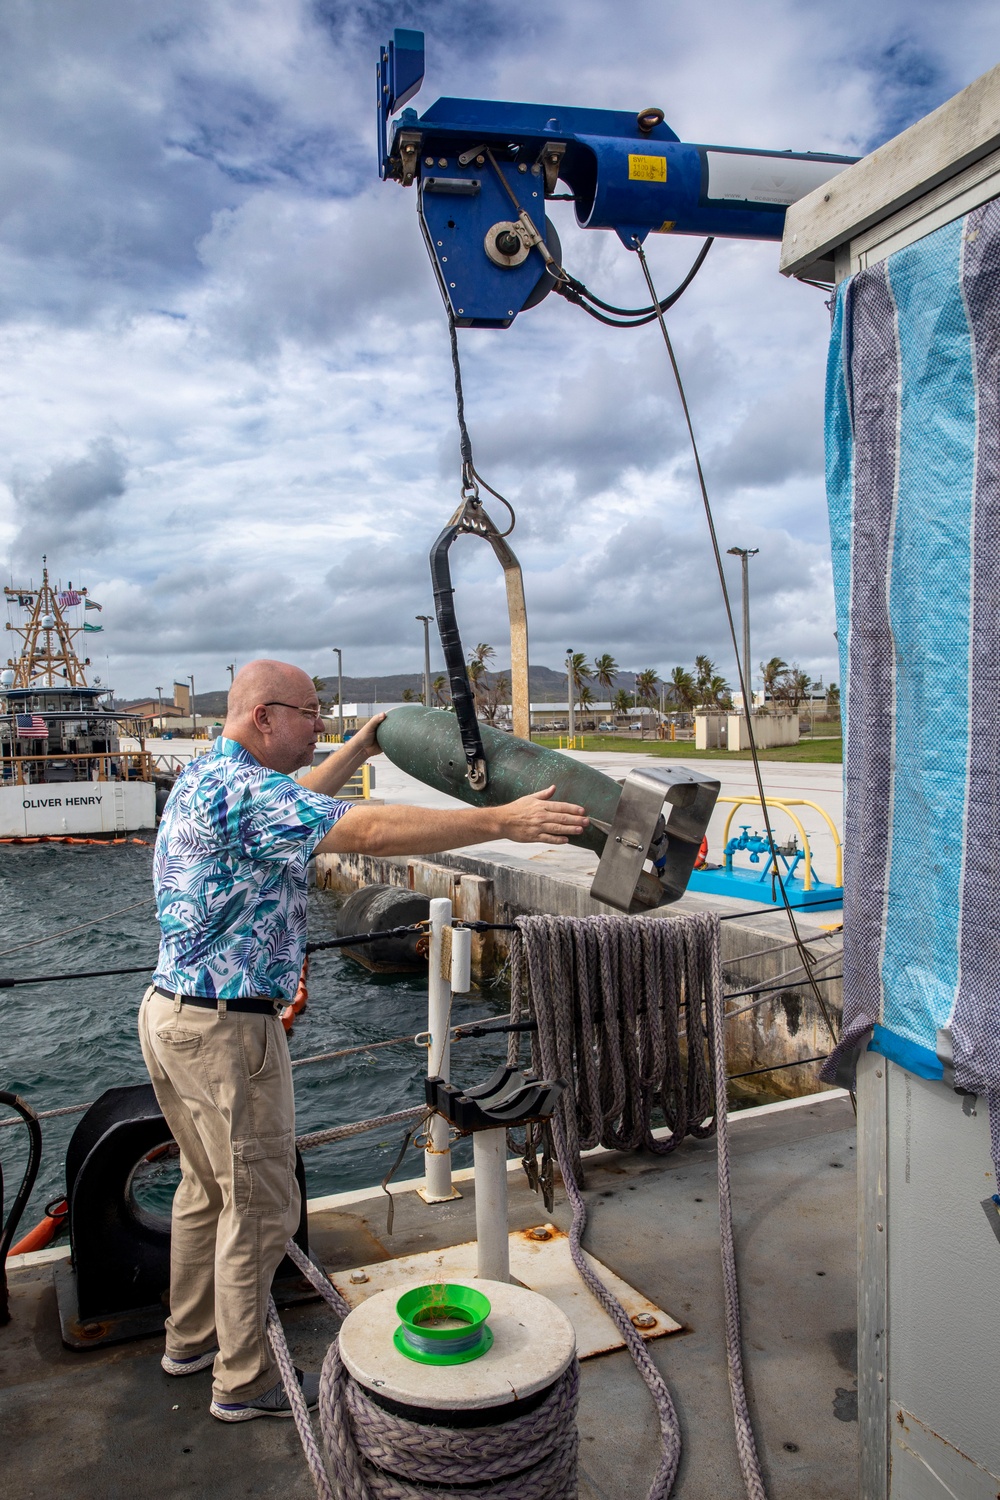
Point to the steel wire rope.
(577, 292)
(80, 927)
(744, 686)
(461, 1032)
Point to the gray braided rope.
(276, 1335)
(746, 1446)
(375, 1455)
(551, 998)
(344, 1132)
(615, 1017)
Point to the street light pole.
(571, 729)
(745, 554)
(231, 669)
(340, 691)
(427, 658)
(194, 716)
(159, 699)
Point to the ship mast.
(47, 652)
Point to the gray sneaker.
(273, 1403)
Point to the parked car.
(606, 728)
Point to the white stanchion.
(437, 1186)
(489, 1148)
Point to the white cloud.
(225, 391)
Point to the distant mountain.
(545, 686)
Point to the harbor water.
(64, 1043)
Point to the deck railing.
(107, 765)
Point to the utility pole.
(231, 669)
(159, 699)
(427, 658)
(745, 554)
(569, 683)
(194, 716)
(340, 690)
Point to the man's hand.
(536, 819)
(367, 738)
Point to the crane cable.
(807, 958)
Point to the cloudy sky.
(225, 399)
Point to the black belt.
(254, 1005)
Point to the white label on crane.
(745, 177)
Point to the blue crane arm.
(484, 168)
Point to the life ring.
(298, 1005)
(44, 1231)
(702, 854)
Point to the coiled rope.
(373, 1454)
(607, 994)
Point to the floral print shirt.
(230, 876)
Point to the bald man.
(230, 877)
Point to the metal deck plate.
(544, 1266)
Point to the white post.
(489, 1148)
(437, 1186)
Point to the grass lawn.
(808, 751)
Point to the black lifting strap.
(462, 695)
(471, 519)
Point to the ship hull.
(85, 808)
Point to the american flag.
(32, 727)
(68, 597)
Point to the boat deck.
(108, 1423)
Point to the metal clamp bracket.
(644, 830)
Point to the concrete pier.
(499, 880)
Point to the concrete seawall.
(497, 887)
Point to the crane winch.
(483, 171)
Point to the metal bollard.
(437, 1186)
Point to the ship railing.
(107, 765)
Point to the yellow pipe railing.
(783, 804)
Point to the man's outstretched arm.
(340, 764)
(400, 829)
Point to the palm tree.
(622, 702)
(772, 671)
(438, 689)
(704, 667)
(646, 684)
(587, 700)
(718, 692)
(683, 688)
(482, 653)
(578, 669)
(408, 695)
(605, 671)
(795, 686)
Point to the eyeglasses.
(312, 714)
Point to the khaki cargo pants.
(224, 1084)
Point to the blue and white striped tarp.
(913, 482)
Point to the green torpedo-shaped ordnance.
(425, 743)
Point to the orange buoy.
(298, 1005)
(702, 854)
(44, 1231)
